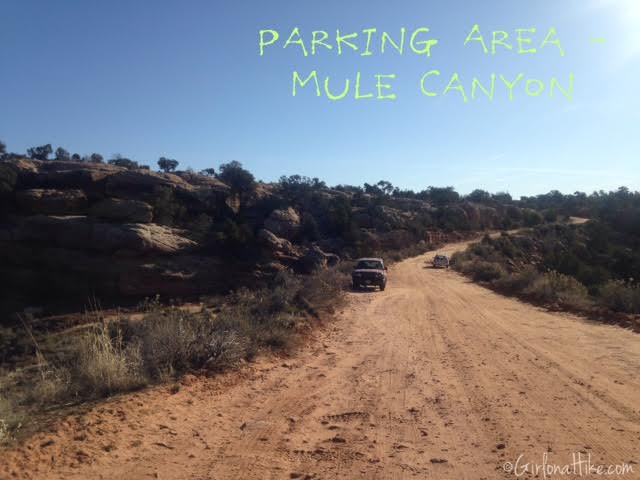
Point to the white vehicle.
(440, 261)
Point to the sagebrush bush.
(554, 287)
(173, 341)
(482, 271)
(325, 289)
(490, 262)
(620, 296)
(517, 282)
(124, 354)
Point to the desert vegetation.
(262, 259)
(106, 356)
(587, 267)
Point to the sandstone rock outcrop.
(138, 184)
(120, 210)
(284, 223)
(53, 202)
(77, 230)
(278, 248)
(85, 234)
(16, 172)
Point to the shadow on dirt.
(365, 290)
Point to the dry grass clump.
(108, 357)
(123, 355)
(10, 420)
(51, 384)
(105, 364)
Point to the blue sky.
(185, 80)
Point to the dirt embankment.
(434, 378)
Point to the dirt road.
(433, 378)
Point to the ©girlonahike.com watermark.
(580, 465)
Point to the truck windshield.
(369, 265)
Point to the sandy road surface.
(433, 378)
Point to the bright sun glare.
(626, 14)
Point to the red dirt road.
(433, 378)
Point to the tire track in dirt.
(433, 378)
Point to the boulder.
(274, 243)
(332, 259)
(52, 202)
(120, 210)
(284, 223)
(315, 259)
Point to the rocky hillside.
(72, 232)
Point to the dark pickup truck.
(369, 272)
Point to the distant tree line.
(621, 207)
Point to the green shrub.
(620, 296)
(236, 177)
(173, 341)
